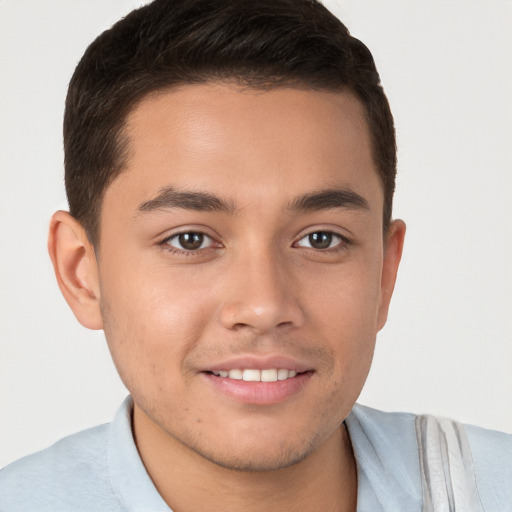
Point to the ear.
(76, 269)
(393, 246)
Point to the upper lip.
(260, 362)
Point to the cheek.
(345, 314)
(347, 300)
(152, 320)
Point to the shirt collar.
(128, 476)
(386, 453)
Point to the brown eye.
(320, 240)
(191, 241)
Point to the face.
(243, 273)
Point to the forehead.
(247, 143)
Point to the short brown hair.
(257, 43)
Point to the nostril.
(261, 318)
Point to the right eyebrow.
(170, 198)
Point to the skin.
(256, 287)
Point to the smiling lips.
(255, 375)
(251, 381)
(259, 380)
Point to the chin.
(262, 460)
(250, 451)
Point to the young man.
(230, 170)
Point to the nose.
(261, 295)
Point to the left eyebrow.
(327, 200)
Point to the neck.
(325, 480)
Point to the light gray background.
(446, 67)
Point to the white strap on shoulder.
(446, 465)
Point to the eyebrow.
(329, 199)
(169, 198)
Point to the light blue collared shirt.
(100, 469)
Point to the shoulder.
(490, 447)
(72, 475)
(392, 437)
(492, 460)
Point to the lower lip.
(259, 393)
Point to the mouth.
(255, 375)
(258, 386)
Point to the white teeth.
(268, 375)
(253, 375)
(235, 374)
(282, 374)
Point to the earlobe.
(75, 267)
(393, 247)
